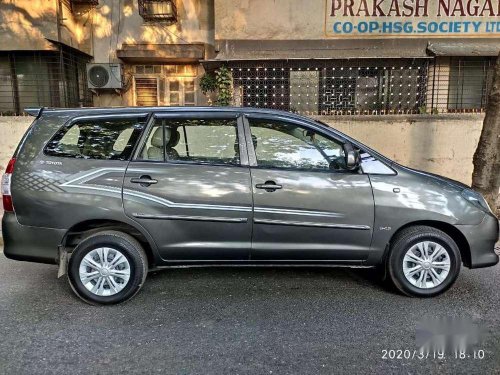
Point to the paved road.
(235, 321)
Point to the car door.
(189, 186)
(307, 205)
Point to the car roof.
(82, 111)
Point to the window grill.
(365, 86)
(85, 2)
(146, 92)
(333, 87)
(42, 78)
(158, 10)
(459, 84)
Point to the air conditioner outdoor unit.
(104, 76)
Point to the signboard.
(412, 18)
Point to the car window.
(371, 165)
(210, 141)
(285, 145)
(122, 140)
(108, 139)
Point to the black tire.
(403, 241)
(128, 246)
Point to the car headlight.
(476, 199)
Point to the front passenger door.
(307, 206)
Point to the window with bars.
(158, 10)
(470, 80)
(83, 2)
(459, 84)
(41, 78)
(333, 86)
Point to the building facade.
(47, 45)
(319, 57)
(348, 57)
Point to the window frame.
(182, 91)
(69, 123)
(207, 115)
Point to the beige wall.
(313, 19)
(117, 22)
(27, 24)
(441, 144)
(101, 30)
(264, 19)
(11, 131)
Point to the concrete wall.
(27, 24)
(264, 19)
(441, 144)
(117, 22)
(120, 22)
(12, 130)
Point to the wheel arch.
(449, 229)
(82, 229)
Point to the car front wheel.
(423, 261)
(107, 267)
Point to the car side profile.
(111, 193)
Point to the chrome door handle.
(144, 180)
(269, 186)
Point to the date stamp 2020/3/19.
(443, 338)
(422, 354)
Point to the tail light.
(6, 184)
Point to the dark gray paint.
(199, 213)
(208, 193)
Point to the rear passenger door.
(189, 186)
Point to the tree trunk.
(486, 175)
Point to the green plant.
(422, 110)
(208, 83)
(224, 81)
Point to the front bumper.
(32, 244)
(482, 239)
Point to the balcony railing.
(158, 10)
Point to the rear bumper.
(482, 239)
(32, 244)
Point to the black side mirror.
(352, 157)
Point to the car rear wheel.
(423, 261)
(107, 267)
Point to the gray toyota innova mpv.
(109, 194)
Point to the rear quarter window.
(103, 139)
